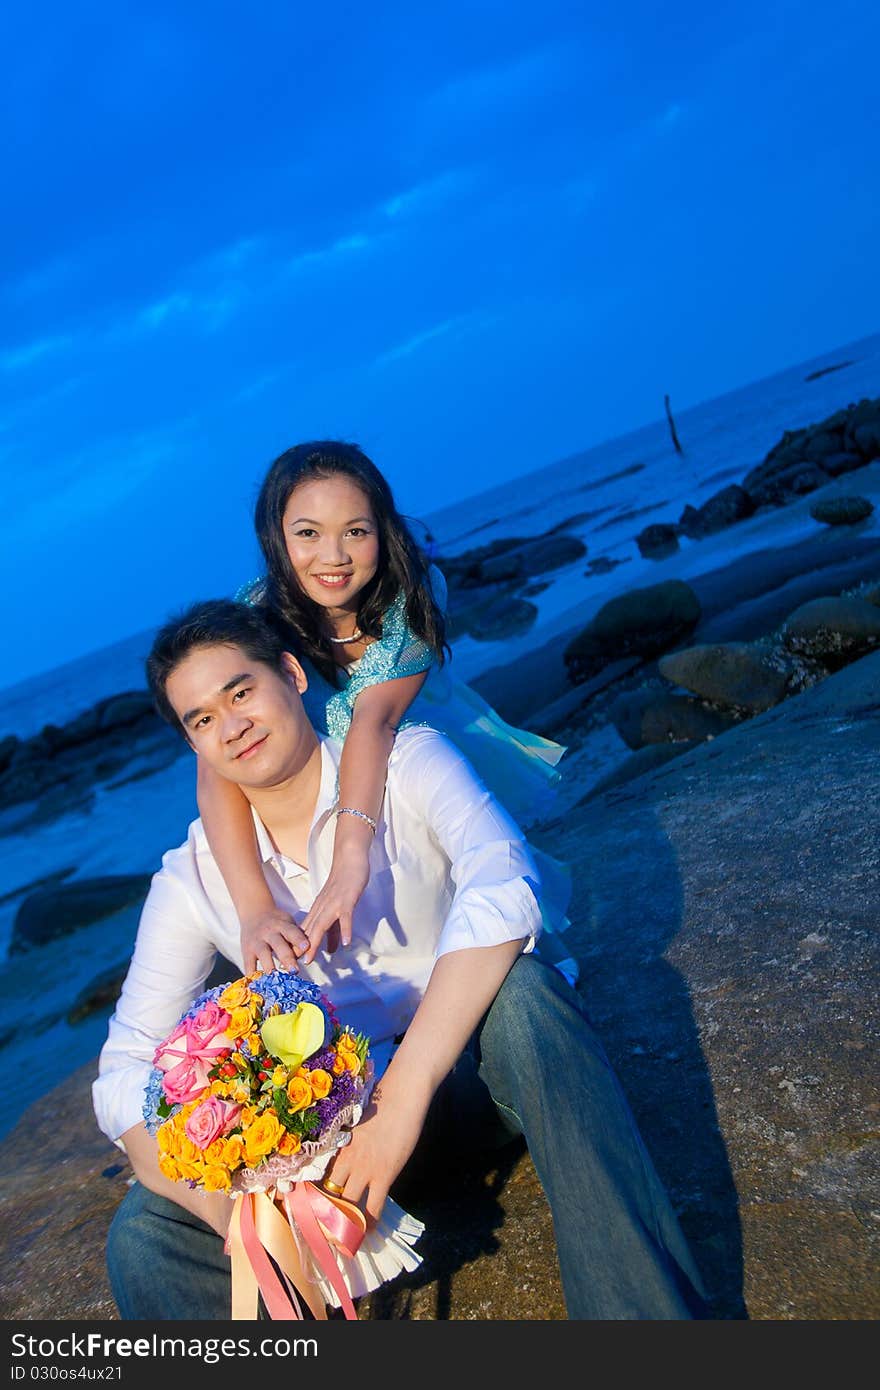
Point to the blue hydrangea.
(152, 1096)
(288, 989)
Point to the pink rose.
(206, 1033)
(213, 1118)
(185, 1082)
(172, 1050)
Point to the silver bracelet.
(361, 815)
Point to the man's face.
(242, 718)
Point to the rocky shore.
(725, 874)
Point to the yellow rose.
(279, 1076)
(299, 1093)
(165, 1138)
(347, 1042)
(233, 1151)
(234, 995)
(255, 1042)
(320, 1082)
(190, 1169)
(289, 1144)
(339, 1063)
(240, 1022)
(169, 1167)
(352, 1061)
(216, 1179)
(262, 1137)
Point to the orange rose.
(234, 995)
(320, 1082)
(233, 1151)
(240, 1022)
(169, 1167)
(339, 1064)
(216, 1179)
(347, 1042)
(299, 1093)
(165, 1138)
(352, 1061)
(263, 1136)
(290, 1144)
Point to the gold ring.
(333, 1187)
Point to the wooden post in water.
(672, 429)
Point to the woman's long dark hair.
(402, 567)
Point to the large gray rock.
(833, 630)
(728, 929)
(58, 910)
(841, 511)
(642, 622)
(731, 504)
(655, 716)
(738, 675)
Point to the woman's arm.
(377, 712)
(265, 929)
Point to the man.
(439, 973)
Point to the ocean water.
(607, 494)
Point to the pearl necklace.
(355, 636)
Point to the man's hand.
(380, 1146)
(271, 933)
(335, 904)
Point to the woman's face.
(332, 540)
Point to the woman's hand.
(329, 920)
(271, 933)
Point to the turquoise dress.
(518, 767)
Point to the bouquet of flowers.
(252, 1094)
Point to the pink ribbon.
(321, 1222)
(325, 1222)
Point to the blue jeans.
(533, 1068)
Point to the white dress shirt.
(449, 869)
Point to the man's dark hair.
(213, 623)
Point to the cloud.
(501, 85)
(16, 359)
(341, 248)
(463, 323)
(431, 191)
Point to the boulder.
(833, 630)
(504, 616)
(777, 488)
(641, 622)
(56, 911)
(820, 442)
(727, 930)
(729, 505)
(736, 675)
(835, 464)
(8, 748)
(655, 716)
(867, 440)
(841, 511)
(127, 708)
(657, 541)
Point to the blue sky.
(474, 237)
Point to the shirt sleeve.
(497, 886)
(171, 961)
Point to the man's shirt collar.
(324, 806)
